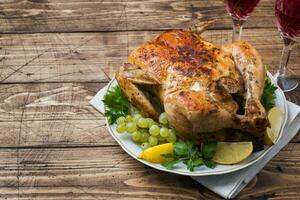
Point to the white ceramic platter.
(134, 150)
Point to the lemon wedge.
(229, 153)
(153, 154)
(275, 116)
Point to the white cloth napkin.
(229, 185)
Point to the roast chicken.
(203, 88)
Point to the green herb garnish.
(191, 155)
(116, 104)
(268, 97)
(209, 150)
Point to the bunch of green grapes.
(145, 131)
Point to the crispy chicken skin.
(197, 83)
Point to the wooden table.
(56, 54)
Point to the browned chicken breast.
(203, 88)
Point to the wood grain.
(94, 57)
(85, 15)
(55, 133)
(48, 101)
(109, 173)
(51, 114)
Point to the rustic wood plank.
(86, 15)
(47, 58)
(294, 96)
(48, 101)
(109, 173)
(56, 114)
(94, 57)
(55, 133)
(51, 114)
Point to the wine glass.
(239, 10)
(288, 22)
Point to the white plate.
(134, 150)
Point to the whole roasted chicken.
(202, 88)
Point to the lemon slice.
(229, 153)
(153, 154)
(275, 117)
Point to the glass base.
(287, 84)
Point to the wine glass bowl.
(239, 10)
(287, 13)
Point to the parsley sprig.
(268, 97)
(191, 155)
(116, 104)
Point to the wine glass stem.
(237, 29)
(285, 56)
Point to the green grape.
(121, 120)
(136, 136)
(121, 128)
(144, 137)
(150, 122)
(163, 118)
(145, 145)
(160, 138)
(136, 117)
(129, 118)
(143, 130)
(142, 122)
(172, 136)
(172, 131)
(154, 130)
(153, 140)
(131, 127)
(164, 132)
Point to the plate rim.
(199, 173)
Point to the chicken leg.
(249, 63)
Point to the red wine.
(288, 17)
(240, 9)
